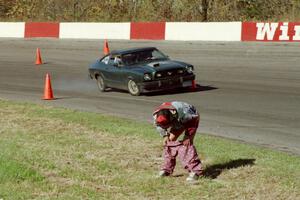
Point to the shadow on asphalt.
(214, 171)
(199, 88)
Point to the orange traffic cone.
(194, 85)
(38, 58)
(105, 48)
(48, 93)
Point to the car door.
(106, 70)
(117, 74)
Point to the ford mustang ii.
(141, 70)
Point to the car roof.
(132, 50)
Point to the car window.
(158, 55)
(105, 59)
(117, 61)
(129, 59)
(142, 56)
(112, 60)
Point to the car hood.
(156, 66)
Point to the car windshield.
(142, 56)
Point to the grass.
(55, 153)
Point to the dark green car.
(141, 70)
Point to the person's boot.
(163, 173)
(192, 177)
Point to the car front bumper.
(165, 84)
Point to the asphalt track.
(247, 91)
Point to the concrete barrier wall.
(12, 29)
(148, 30)
(212, 31)
(180, 31)
(272, 32)
(41, 29)
(95, 30)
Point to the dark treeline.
(149, 10)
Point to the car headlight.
(147, 77)
(189, 69)
(180, 71)
(158, 75)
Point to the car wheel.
(100, 83)
(133, 88)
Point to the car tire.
(133, 88)
(100, 83)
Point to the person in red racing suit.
(172, 119)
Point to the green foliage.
(145, 10)
(267, 9)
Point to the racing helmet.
(163, 118)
